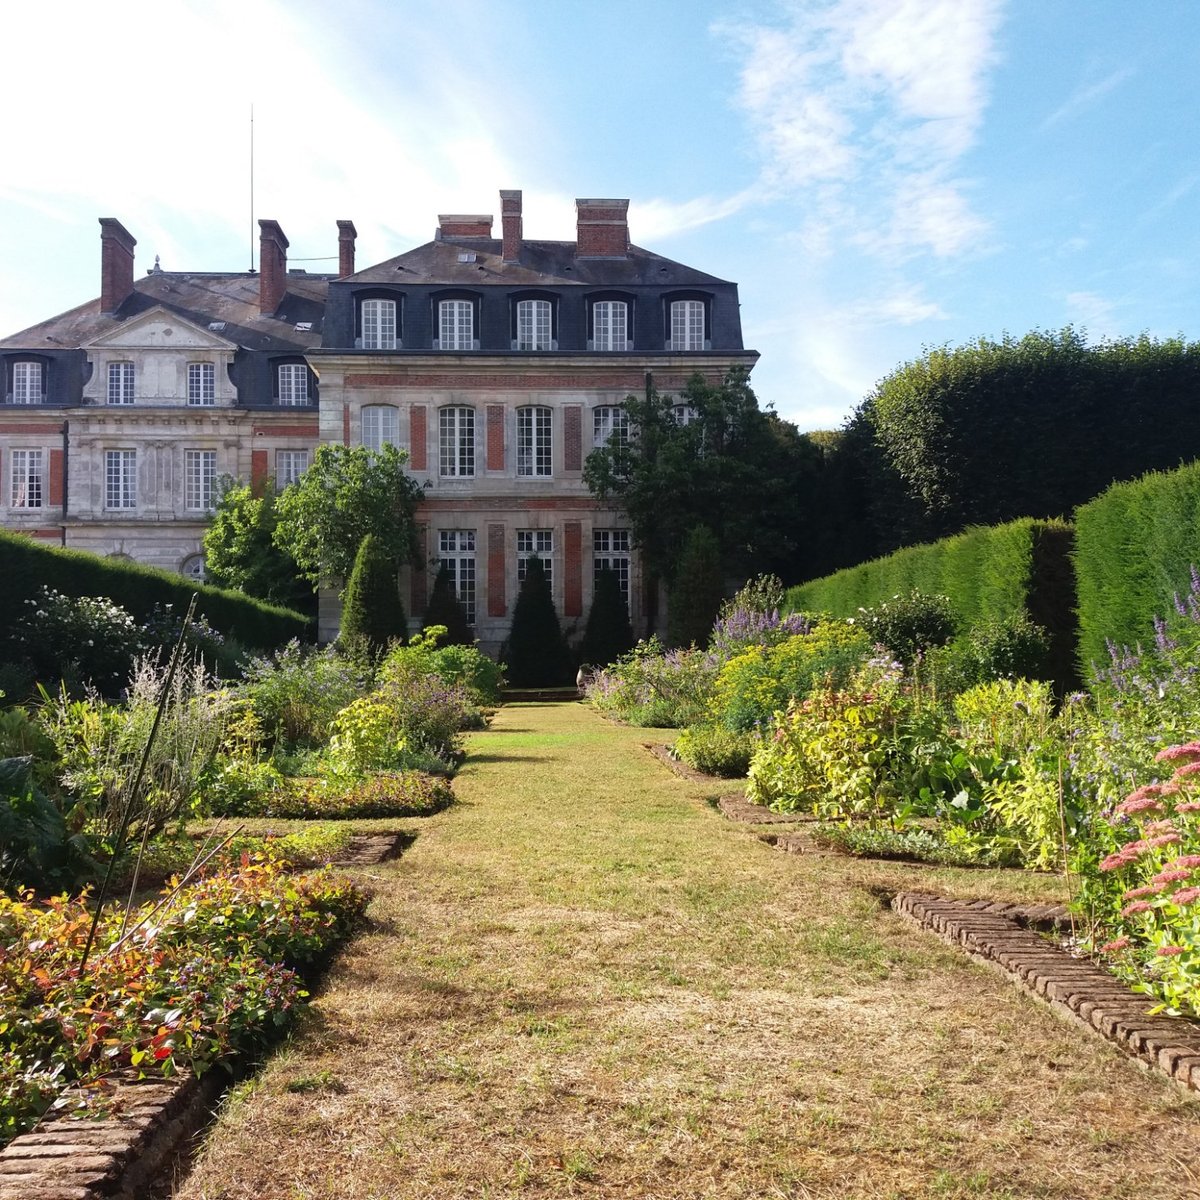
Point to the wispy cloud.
(864, 109)
(1093, 312)
(1086, 95)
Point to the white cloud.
(1092, 312)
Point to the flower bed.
(210, 973)
(380, 794)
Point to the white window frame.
(535, 325)
(535, 442)
(684, 414)
(687, 325)
(456, 325)
(612, 551)
(199, 478)
(610, 325)
(194, 567)
(289, 466)
(377, 320)
(120, 382)
(292, 382)
(380, 425)
(456, 552)
(120, 480)
(609, 419)
(28, 381)
(456, 441)
(535, 543)
(201, 384)
(27, 471)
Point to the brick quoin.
(419, 435)
(572, 437)
(497, 604)
(573, 583)
(309, 430)
(345, 424)
(55, 497)
(259, 470)
(495, 437)
(417, 593)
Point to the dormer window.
(378, 324)
(202, 384)
(291, 380)
(120, 383)
(609, 325)
(687, 325)
(28, 382)
(535, 326)
(456, 325)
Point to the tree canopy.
(347, 493)
(710, 456)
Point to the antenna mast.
(252, 189)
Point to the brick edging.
(114, 1156)
(1002, 936)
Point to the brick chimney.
(460, 226)
(346, 235)
(601, 228)
(272, 266)
(510, 219)
(116, 264)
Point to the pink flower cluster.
(1188, 752)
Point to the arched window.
(380, 426)
(193, 567)
(535, 325)
(377, 321)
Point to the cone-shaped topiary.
(538, 655)
(372, 613)
(696, 593)
(445, 608)
(608, 634)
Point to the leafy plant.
(654, 687)
(909, 625)
(715, 750)
(36, 847)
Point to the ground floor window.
(456, 553)
(27, 476)
(535, 543)
(289, 466)
(610, 552)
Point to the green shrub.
(908, 625)
(445, 609)
(608, 633)
(537, 654)
(467, 666)
(372, 614)
(912, 845)
(696, 590)
(379, 794)
(715, 750)
(655, 688)
(36, 847)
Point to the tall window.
(27, 479)
(534, 436)
(289, 466)
(684, 414)
(456, 441)
(27, 383)
(199, 472)
(610, 325)
(533, 325)
(687, 324)
(456, 324)
(380, 426)
(607, 420)
(202, 383)
(456, 552)
(293, 383)
(535, 543)
(120, 383)
(378, 324)
(120, 479)
(610, 552)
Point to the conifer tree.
(445, 608)
(696, 590)
(538, 655)
(372, 612)
(608, 634)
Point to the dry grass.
(583, 981)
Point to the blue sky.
(877, 175)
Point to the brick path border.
(1004, 937)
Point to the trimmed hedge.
(992, 571)
(1135, 548)
(26, 565)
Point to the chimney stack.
(510, 218)
(116, 264)
(601, 228)
(272, 266)
(476, 225)
(346, 235)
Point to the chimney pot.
(272, 266)
(346, 236)
(116, 264)
(602, 228)
(511, 221)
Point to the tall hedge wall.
(25, 565)
(1135, 547)
(990, 571)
